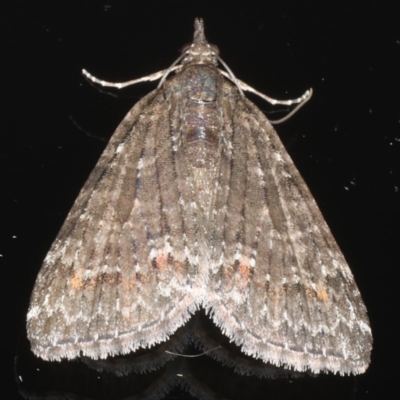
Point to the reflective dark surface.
(345, 143)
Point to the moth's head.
(200, 51)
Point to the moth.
(195, 203)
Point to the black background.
(345, 141)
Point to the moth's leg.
(300, 100)
(120, 85)
(306, 96)
(244, 86)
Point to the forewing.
(280, 286)
(118, 275)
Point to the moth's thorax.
(201, 54)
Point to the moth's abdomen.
(197, 127)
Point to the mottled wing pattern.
(280, 287)
(195, 202)
(120, 274)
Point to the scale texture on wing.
(280, 287)
(129, 231)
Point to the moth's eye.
(215, 49)
(185, 48)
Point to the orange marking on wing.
(322, 294)
(165, 262)
(127, 284)
(162, 262)
(76, 282)
(244, 271)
